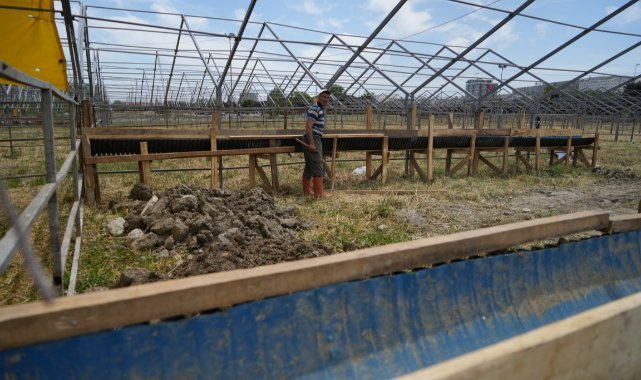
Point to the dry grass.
(452, 204)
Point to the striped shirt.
(316, 113)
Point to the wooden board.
(623, 223)
(601, 343)
(176, 155)
(39, 321)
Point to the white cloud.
(630, 15)
(502, 38)
(408, 20)
(541, 29)
(239, 13)
(311, 7)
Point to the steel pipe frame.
(369, 39)
(498, 26)
(569, 42)
(237, 40)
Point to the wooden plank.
(143, 133)
(595, 150)
(546, 132)
(413, 117)
(464, 161)
(624, 223)
(430, 154)
(466, 132)
(522, 123)
(368, 156)
(262, 175)
(600, 343)
(86, 115)
(506, 148)
(285, 119)
(412, 156)
(144, 167)
(213, 142)
(519, 157)
(177, 155)
(448, 161)
(368, 165)
(89, 170)
(481, 120)
(273, 163)
(334, 147)
(384, 160)
(472, 154)
(418, 169)
(26, 324)
(537, 152)
(489, 163)
(252, 170)
(390, 192)
(377, 172)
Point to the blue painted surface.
(375, 328)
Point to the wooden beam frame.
(36, 322)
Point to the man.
(314, 128)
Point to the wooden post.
(522, 119)
(144, 167)
(448, 161)
(273, 162)
(481, 120)
(368, 156)
(384, 159)
(252, 170)
(86, 114)
(537, 152)
(215, 119)
(430, 152)
(595, 149)
(413, 117)
(334, 147)
(568, 151)
(472, 154)
(430, 121)
(506, 147)
(285, 119)
(89, 172)
(450, 120)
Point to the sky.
(423, 25)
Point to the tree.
(367, 95)
(632, 89)
(300, 99)
(338, 91)
(249, 103)
(276, 98)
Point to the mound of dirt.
(222, 230)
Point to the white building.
(480, 87)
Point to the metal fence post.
(50, 168)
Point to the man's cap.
(325, 91)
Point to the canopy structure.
(32, 44)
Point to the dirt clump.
(219, 229)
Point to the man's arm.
(310, 134)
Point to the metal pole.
(50, 166)
(474, 45)
(366, 42)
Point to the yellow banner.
(30, 41)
